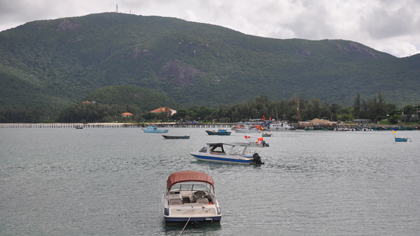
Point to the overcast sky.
(391, 26)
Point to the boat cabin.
(227, 148)
(190, 193)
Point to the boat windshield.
(191, 187)
(200, 187)
(186, 186)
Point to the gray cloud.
(386, 25)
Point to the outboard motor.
(257, 159)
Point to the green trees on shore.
(293, 109)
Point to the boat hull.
(222, 134)
(215, 158)
(217, 132)
(192, 219)
(176, 137)
(155, 131)
(247, 131)
(400, 140)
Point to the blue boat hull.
(400, 140)
(217, 133)
(155, 131)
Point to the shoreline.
(373, 127)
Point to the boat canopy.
(230, 144)
(189, 176)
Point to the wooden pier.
(111, 125)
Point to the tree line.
(293, 110)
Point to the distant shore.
(375, 127)
(113, 125)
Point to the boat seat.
(203, 201)
(175, 202)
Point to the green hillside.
(53, 63)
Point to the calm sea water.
(108, 181)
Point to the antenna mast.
(298, 112)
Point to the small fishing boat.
(218, 132)
(176, 137)
(79, 127)
(399, 139)
(266, 135)
(233, 153)
(190, 197)
(154, 129)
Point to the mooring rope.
(187, 221)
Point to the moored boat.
(176, 137)
(218, 132)
(278, 126)
(400, 139)
(266, 135)
(190, 197)
(247, 129)
(233, 153)
(154, 129)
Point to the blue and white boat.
(233, 153)
(190, 197)
(154, 129)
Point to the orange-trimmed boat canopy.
(188, 176)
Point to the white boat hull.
(247, 131)
(224, 159)
(232, 153)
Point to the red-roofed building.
(126, 114)
(164, 109)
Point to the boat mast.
(298, 112)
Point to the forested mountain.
(51, 64)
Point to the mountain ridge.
(61, 61)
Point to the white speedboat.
(190, 197)
(236, 153)
(247, 129)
